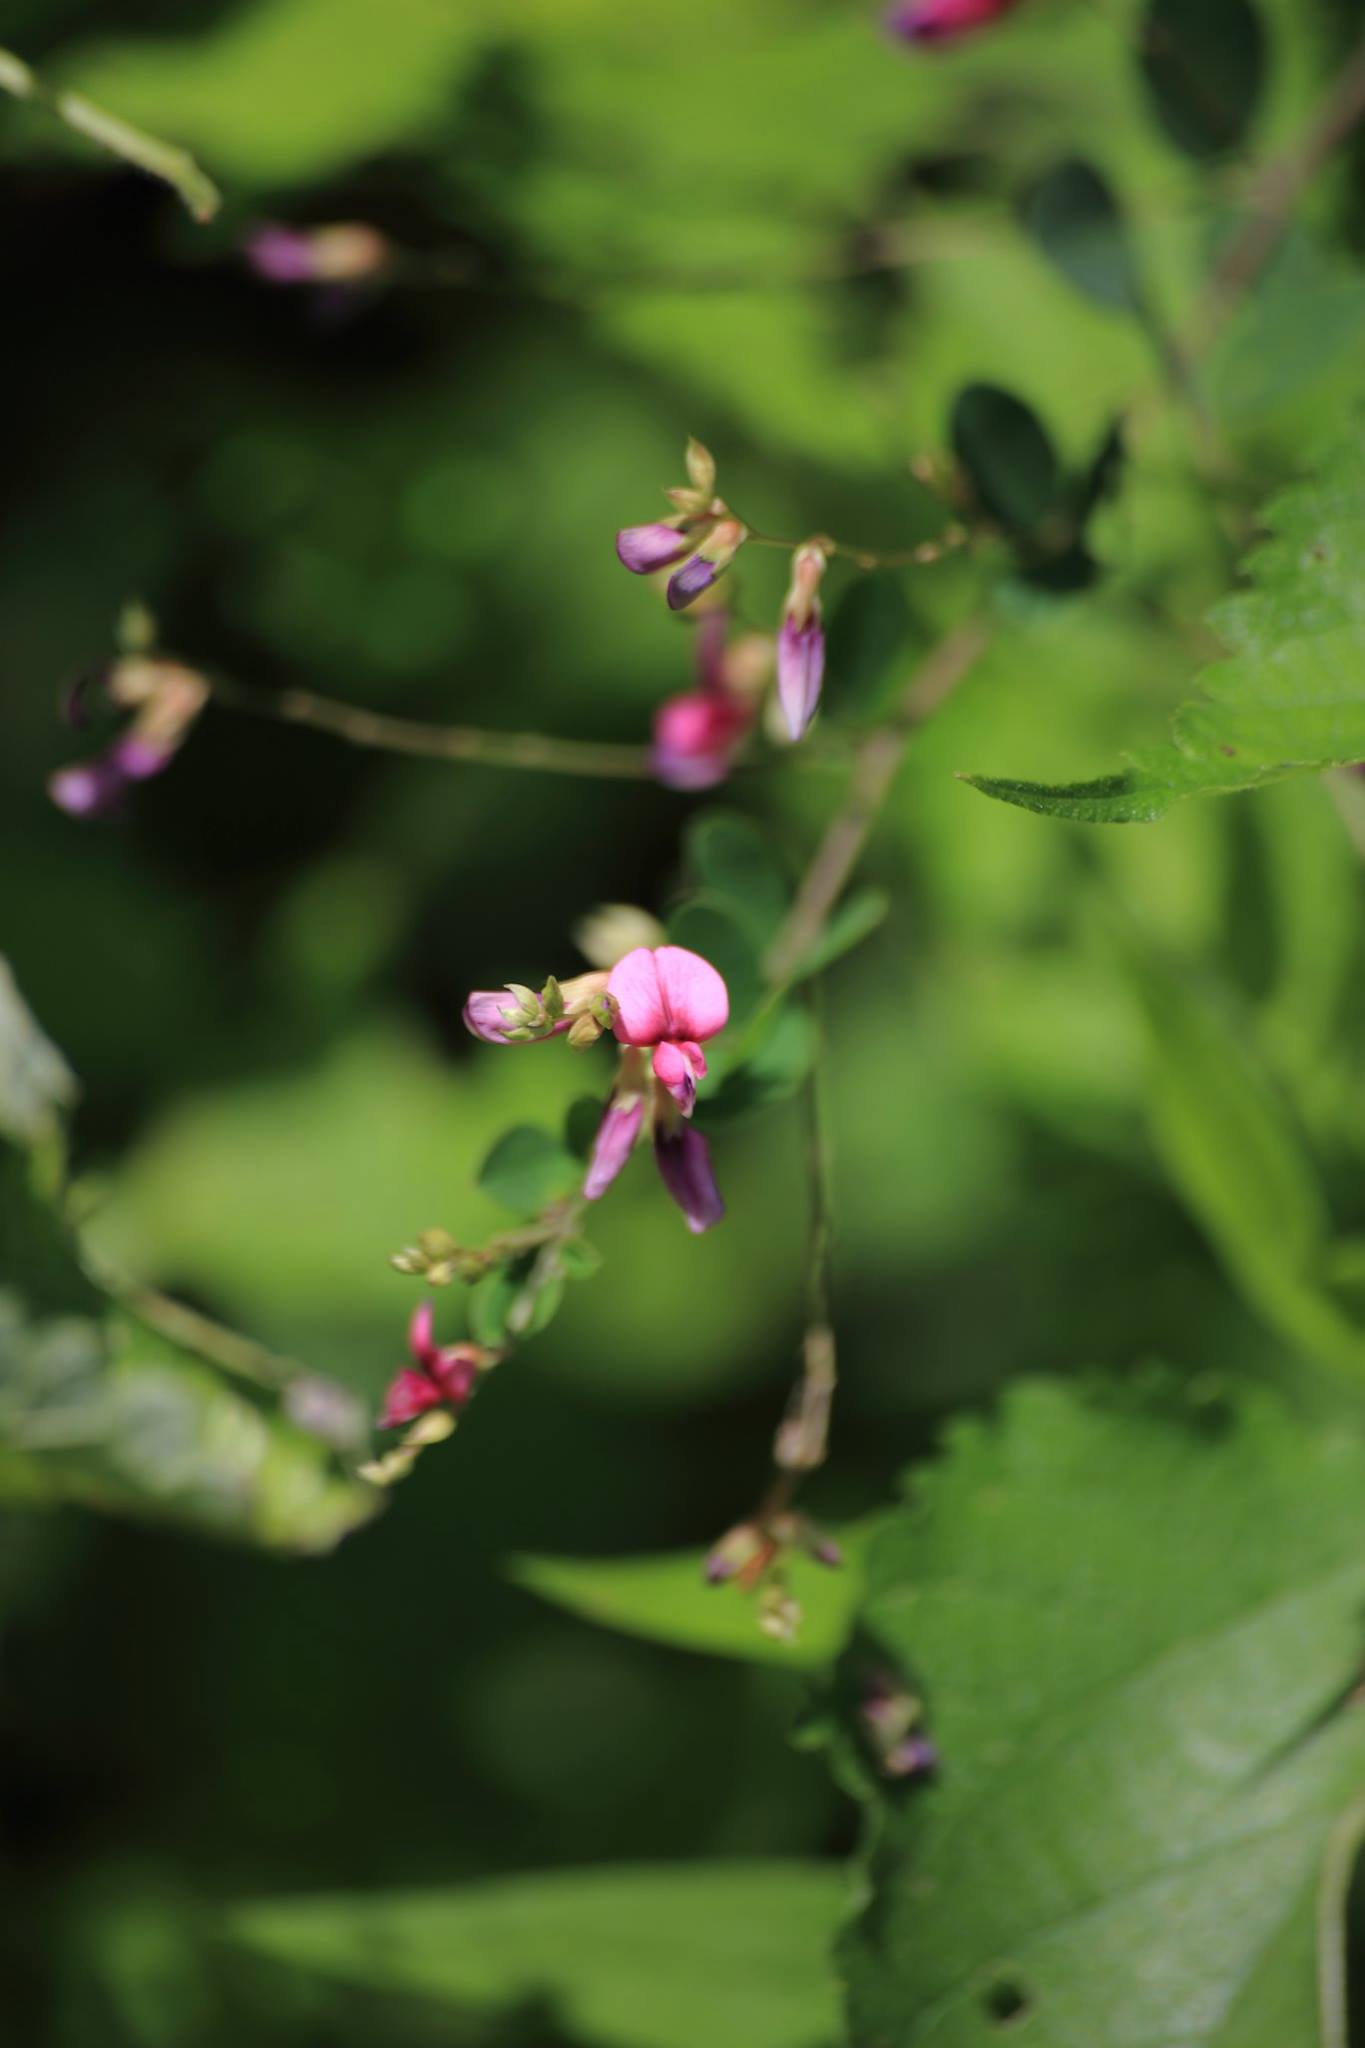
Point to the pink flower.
(943, 21)
(697, 734)
(341, 252)
(801, 641)
(165, 699)
(665, 995)
(440, 1376)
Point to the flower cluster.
(695, 735)
(943, 21)
(440, 1376)
(164, 697)
(698, 733)
(661, 1004)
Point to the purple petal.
(684, 1161)
(136, 758)
(613, 1145)
(712, 627)
(280, 255)
(942, 21)
(800, 672)
(89, 788)
(688, 583)
(642, 549)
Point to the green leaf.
(666, 1599)
(581, 1120)
(772, 1073)
(857, 917)
(526, 1169)
(1008, 455)
(1137, 1632)
(729, 1954)
(97, 1408)
(871, 632)
(734, 864)
(489, 1304)
(1230, 1146)
(1291, 695)
(1204, 68)
(1074, 217)
(711, 926)
(36, 1085)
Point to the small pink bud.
(613, 1145)
(943, 21)
(342, 252)
(711, 559)
(801, 641)
(643, 549)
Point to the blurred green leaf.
(1008, 456)
(581, 1120)
(871, 633)
(36, 1085)
(712, 926)
(856, 918)
(1137, 1649)
(1229, 1144)
(732, 861)
(526, 1169)
(1204, 68)
(1291, 695)
(731, 1954)
(771, 1072)
(667, 1600)
(1076, 220)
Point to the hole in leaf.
(1006, 2001)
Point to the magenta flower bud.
(643, 549)
(89, 789)
(800, 672)
(943, 21)
(684, 1161)
(165, 699)
(280, 255)
(411, 1394)
(489, 1013)
(136, 758)
(695, 737)
(712, 558)
(613, 1145)
(439, 1376)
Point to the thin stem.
(802, 1440)
(164, 160)
(1274, 197)
(875, 765)
(199, 1333)
(361, 728)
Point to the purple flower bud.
(643, 549)
(136, 758)
(684, 1161)
(913, 1758)
(280, 255)
(613, 1145)
(688, 583)
(88, 789)
(943, 21)
(800, 672)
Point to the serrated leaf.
(526, 1169)
(36, 1085)
(1290, 696)
(730, 1954)
(1204, 68)
(1076, 220)
(666, 1599)
(1229, 1143)
(732, 861)
(1137, 1633)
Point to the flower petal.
(687, 584)
(696, 1000)
(634, 985)
(410, 1395)
(613, 1145)
(642, 549)
(684, 1161)
(420, 1343)
(679, 1068)
(800, 672)
(454, 1370)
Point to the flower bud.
(801, 641)
(943, 21)
(343, 252)
(658, 545)
(711, 560)
(614, 1143)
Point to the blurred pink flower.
(943, 21)
(440, 1375)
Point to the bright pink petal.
(419, 1333)
(696, 1001)
(455, 1370)
(411, 1394)
(634, 984)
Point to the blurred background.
(618, 227)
